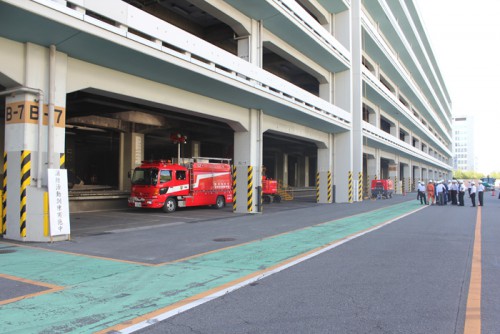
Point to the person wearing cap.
(430, 193)
(461, 193)
(453, 192)
(421, 193)
(473, 193)
(447, 191)
(480, 191)
(440, 198)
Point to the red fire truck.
(166, 185)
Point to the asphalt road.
(408, 277)
(385, 266)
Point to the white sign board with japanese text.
(58, 202)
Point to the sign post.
(58, 202)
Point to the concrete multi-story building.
(327, 94)
(463, 143)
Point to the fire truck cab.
(166, 185)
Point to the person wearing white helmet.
(461, 192)
(440, 193)
(473, 193)
(480, 191)
(454, 192)
(421, 193)
(430, 193)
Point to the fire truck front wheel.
(220, 202)
(170, 205)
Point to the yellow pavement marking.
(473, 310)
(50, 288)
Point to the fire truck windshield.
(145, 176)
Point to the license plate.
(138, 204)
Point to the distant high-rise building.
(463, 143)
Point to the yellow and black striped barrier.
(403, 186)
(349, 178)
(234, 188)
(360, 186)
(62, 161)
(4, 195)
(329, 184)
(317, 187)
(395, 184)
(250, 189)
(25, 181)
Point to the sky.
(465, 37)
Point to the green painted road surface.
(100, 293)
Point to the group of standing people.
(442, 193)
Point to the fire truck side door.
(165, 177)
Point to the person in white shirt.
(480, 191)
(473, 194)
(461, 193)
(454, 192)
(421, 193)
(440, 193)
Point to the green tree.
(495, 175)
(461, 174)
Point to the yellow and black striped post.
(317, 187)
(395, 184)
(250, 189)
(329, 184)
(403, 186)
(234, 188)
(62, 161)
(4, 195)
(360, 186)
(349, 178)
(25, 181)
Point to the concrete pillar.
(324, 177)
(250, 47)
(417, 176)
(326, 89)
(248, 164)
(343, 162)
(285, 169)
(131, 155)
(394, 130)
(341, 23)
(406, 177)
(373, 167)
(306, 171)
(357, 99)
(394, 175)
(373, 119)
(343, 92)
(26, 216)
